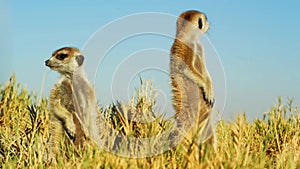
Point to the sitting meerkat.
(192, 88)
(73, 106)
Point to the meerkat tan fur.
(192, 88)
(73, 107)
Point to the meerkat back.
(192, 88)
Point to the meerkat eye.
(61, 56)
(200, 23)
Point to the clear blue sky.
(257, 41)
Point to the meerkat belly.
(186, 99)
(62, 101)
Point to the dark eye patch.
(200, 23)
(61, 56)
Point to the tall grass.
(270, 142)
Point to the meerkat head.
(193, 23)
(65, 60)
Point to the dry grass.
(271, 142)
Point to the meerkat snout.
(47, 62)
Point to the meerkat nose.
(47, 62)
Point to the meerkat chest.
(63, 91)
(187, 55)
(198, 60)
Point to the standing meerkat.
(192, 88)
(73, 106)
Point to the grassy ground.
(271, 142)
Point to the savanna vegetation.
(270, 142)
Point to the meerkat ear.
(200, 23)
(80, 59)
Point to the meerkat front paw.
(70, 128)
(208, 95)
